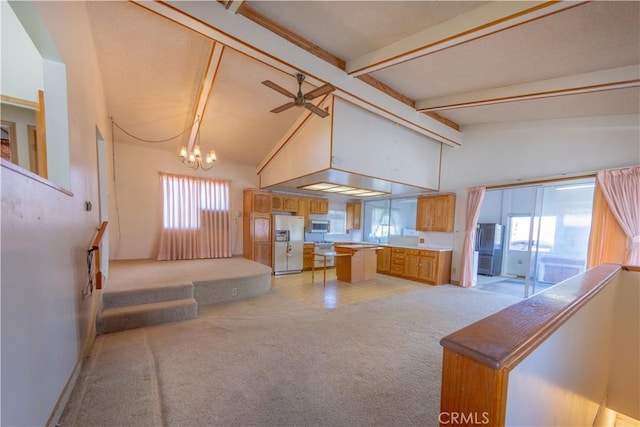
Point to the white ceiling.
(153, 67)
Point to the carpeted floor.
(273, 361)
(512, 287)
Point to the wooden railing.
(97, 253)
(479, 360)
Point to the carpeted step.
(117, 319)
(146, 296)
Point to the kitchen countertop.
(424, 248)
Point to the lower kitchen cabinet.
(384, 260)
(432, 267)
(307, 256)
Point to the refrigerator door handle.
(288, 249)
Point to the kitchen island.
(359, 266)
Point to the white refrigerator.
(288, 242)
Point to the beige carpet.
(272, 361)
(126, 275)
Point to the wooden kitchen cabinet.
(303, 210)
(319, 206)
(432, 267)
(397, 261)
(284, 202)
(384, 260)
(257, 201)
(429, 266)
(289, 204)
(436, 213)
(307, 256)
(256, 226)
(411, 263)
(276, 202)
(257, 238)
(354, 212)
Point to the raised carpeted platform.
(147, 292)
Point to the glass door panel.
(561, 244)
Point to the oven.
(323, 247)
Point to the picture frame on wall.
(9, 143)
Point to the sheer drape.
(621, 189)
(474, 202)
(195, 218)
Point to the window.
(337, 220)
(389, 218)
(195, 218)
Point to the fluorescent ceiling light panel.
(342, 189)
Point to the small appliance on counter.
(288, 242)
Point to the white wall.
(624, 387)
(21, 62)
(521, 151)
(564, 380)
(307, 151)
(45, 234)
(137, 193)
(370, 145)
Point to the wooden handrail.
(97, 242)
(503, 339)
(478, 359)
(98, 239)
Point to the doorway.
(546, 234)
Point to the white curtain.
(475, 195)
(621, 189)
(195, 218)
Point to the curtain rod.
(565, 177)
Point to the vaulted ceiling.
(431, 66)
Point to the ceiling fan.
(300, 100)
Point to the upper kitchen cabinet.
(303, 210)
(436, 213)
(284, 202)
(354, 212)
(257, 201)
(289, 204)
(319, 206)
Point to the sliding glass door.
(560, 233)
(546, 234)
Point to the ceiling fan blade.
(284, 107)
(280, 89)
(322, 90)
(316, 110)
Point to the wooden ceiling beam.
(244, 35)
(480, 22)
(289, 35)
(205, 91)
(615, 78)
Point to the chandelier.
(195, 160)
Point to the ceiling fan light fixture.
(300, 100)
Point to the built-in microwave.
(319, 226)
